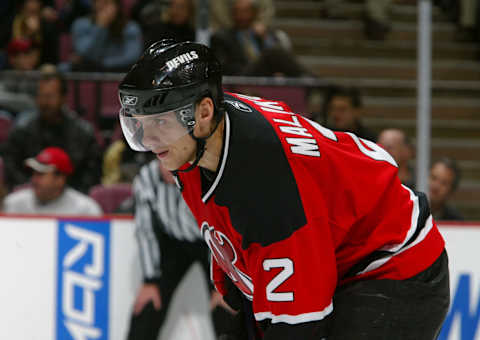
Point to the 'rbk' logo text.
(181, 59)
(130, 100)
(83, 266)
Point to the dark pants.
(177, 257)
(412, 309)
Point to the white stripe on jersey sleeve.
(413, 223)
(376, 264)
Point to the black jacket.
(75, 135)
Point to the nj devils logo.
(226, 257)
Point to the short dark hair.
(45, 76)
(453, 166)
(351, 93)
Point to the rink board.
(67, 279)
(76, 279)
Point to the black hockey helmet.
(168, 80)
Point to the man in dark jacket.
(53, 125)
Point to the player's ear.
(204, 113)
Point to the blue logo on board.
(83, 280)
(463, 308)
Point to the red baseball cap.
(50, 159)
(16, 46)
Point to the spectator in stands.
(396, 142)
(36, 22)
(443, 182)
(377, 20)
(17, 93)
(72, 10)
(468, 28)
(49, 193)
(221, 18)
(450, 8)
(343, 110)
(53, 124)
(106, 40)
(121, 164)
(244, 51)
(23, 54)
(142, 8)
(177, 22)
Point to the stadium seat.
(5, 124)
(85, 96)
(110, 197)
(65, 46)
(71, 95)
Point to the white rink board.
(29, 288)
(463, 247)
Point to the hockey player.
(312, 226)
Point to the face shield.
(155, 132)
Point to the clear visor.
(156, 132)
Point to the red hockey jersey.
(296, 210)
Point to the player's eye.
(160, 121)
(156, 122)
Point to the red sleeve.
(295, 279)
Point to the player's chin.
(168, 163)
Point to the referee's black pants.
(177, 257)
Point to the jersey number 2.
(281, 277)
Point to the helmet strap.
(201, 143)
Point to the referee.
(169, 242)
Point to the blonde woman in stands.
(36, 22)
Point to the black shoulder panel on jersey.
(258, 185)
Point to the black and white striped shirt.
(160, 204)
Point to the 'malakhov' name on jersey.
(306, 144)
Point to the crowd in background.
(109, 35)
